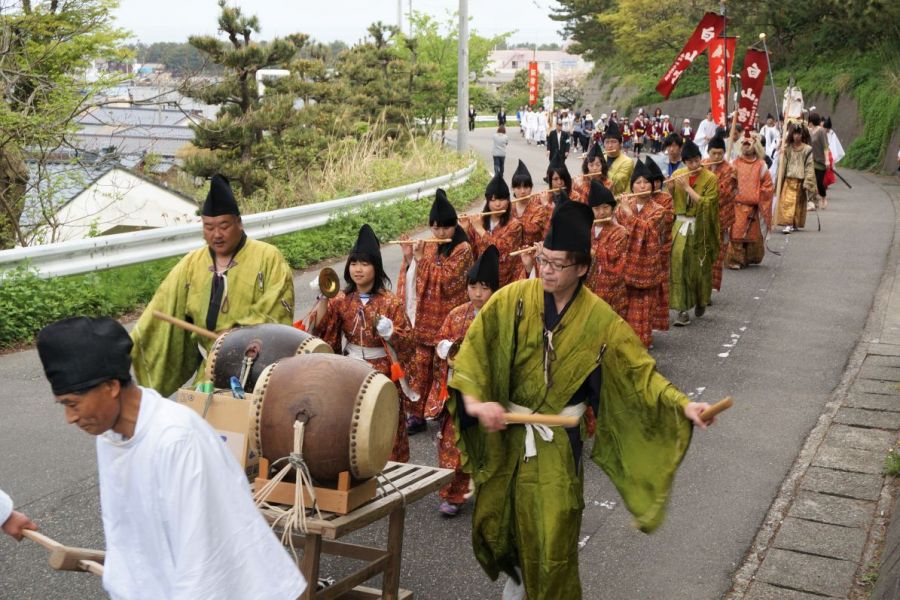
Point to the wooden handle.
(427, 241)
(185, 325)
(91, 566)
(48, 543)
(523, 251)
(539, 419)
(716, 408)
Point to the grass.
(892, 464)
(28, 302)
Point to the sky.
(328, 20)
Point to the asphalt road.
(776, 339)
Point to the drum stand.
(340, 500)
(398, 485)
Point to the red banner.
(532, 83)
(753, 78)
(708, 29)
(719, 83)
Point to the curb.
(766, 540)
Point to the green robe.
(260, 290)
(620, 174)
(528, 513)
(694, 253)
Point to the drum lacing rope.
(393, 485)
(293, 518)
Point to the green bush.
(28, 302)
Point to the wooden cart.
(400, 484)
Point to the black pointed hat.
(368, 248)
(690, 150)
(570, 228)
(521, 176)
(220, 199)
(80, 353)
(612, 131)
(442, 212)
(487, 268)
(769, 116)
(656, 173)
(717, 142)
(827, 123)
(497, 188)
(600, 194)
(641, 170)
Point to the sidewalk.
(829, 531)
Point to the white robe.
(705, 132)
(6, 506)
(530, 124)
(834, 144)
(772, 135)
(541, 132)
(178, 517)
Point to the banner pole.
(762, 36)
(725, 47)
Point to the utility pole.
(462, 80)
(400, 15)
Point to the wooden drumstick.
(426, 240)
(67, 558)
(185, 325)
(539, 419)
(716, 408)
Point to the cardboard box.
(233, 419)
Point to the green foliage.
(514, 94)
(892, 464)
(333, 239)
(47, 47)
(181, 58)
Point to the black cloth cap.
(487, 268)
(600, 194)
(641, 170)
(80, 353)
(570, 228)
(690, 150)
(717, 142)
(497, 188)
(521, 176)
(612, 131)
(367, 247)
(827, 123)
(442, 212)
(769, 116)
(655, 172)
(220, 199)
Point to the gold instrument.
(329, 282)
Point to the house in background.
(503, 64)
(114, 200)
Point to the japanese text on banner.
(753, 78)
(532, 83)
(719, 81)
(709, 28)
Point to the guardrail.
(104, 252)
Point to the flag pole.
(725, 47)
(762, 36)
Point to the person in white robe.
(771, 135)
(178, 517)
(834, 144)
(705, 132)
(541, 130)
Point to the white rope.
(294, 518)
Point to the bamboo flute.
(426, 240)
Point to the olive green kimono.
(528, 512)
(695, 246)
(620, 171)
(260, 289)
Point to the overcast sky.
(327, 20)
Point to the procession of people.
(543, 302)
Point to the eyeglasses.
(543, 261)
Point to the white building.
(118, 201)
(503, 64)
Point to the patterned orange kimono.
(661, 316)
(536, 219)
(454, 329)
(642, 269)
(347, 316)
(753, 200)
(581, 187)
(727, 190)
(506, 238)
(605, 277)
(440, 286)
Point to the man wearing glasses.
(544, 346)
